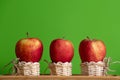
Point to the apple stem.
(63, 37)
(27, 35)
(88, 37)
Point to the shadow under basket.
(61, 69)
(93, 68)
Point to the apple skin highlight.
(61, 50)
(29, 49)
(92, 50)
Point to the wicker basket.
(61, 69)
(93, 68)
(28, 68)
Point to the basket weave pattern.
(29, 68)
(61, 69)
(93, 68)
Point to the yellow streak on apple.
(33, 44)
(96, 46)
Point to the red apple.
(92, 50)
(61, 50)
(29, 49)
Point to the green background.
(51, 19)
